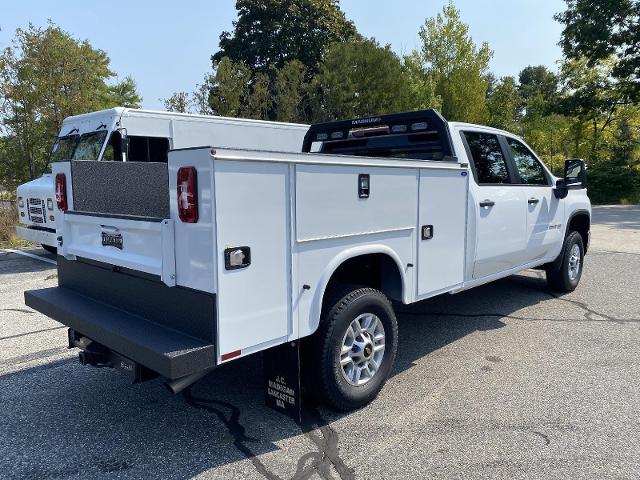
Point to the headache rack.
(420, 135)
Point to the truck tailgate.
(141, 243)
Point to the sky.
(166, 46)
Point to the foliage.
(359, 78)
(179, 102)
(123, 94)
(46, 76)
(270, 33)
(504, 104)
(229, 88)
(451, 62)
(597, 30)
(290, 89)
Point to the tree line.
(304, 61)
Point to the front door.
(544, 211)
(499, 206)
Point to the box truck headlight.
(20, 202)
(50, 203)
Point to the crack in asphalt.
(310, 463)
(589, 312)
(20, 310)
(543, 436)
(18, 335)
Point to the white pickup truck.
(126, 134)
(222, 253)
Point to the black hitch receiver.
(97, 355)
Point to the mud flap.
(282, 379)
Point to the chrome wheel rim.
(574, 262)
(362, 349)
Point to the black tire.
(322, 358)
(50, 249)
(559, 279)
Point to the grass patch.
(8, 222)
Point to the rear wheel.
(566, 278)
(354, 349)
(50, 249)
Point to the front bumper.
(38, 235)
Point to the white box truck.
(221, 253)
(125, 134)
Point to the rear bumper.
(168, 330)
(163, 350)
(37, 235)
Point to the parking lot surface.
(503, 381)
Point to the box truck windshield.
(78, 147)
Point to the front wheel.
(354, 349)
(566, 278)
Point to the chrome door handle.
(487, 203)
(533, 201)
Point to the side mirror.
(575, 174)
(575, 178)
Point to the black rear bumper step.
(166, 351)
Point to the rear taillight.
(61, 192)
(188, 194)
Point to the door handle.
(533, 201)
(487, 203)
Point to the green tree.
(179, 102)
(449, 60)
(538, 87)
(260, 101)
(597, 30)
(422, 86)
(123, 94)
(229, 89)
(592, 97)
(270, 33)
(504, 104)
(45, 76)
(360, 78)
(290, 89)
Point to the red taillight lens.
(188, 194)
(61, 192)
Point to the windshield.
(63, 148)
(89, 146)
(78, 147)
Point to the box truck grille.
(37, 213)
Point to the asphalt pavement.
(505, 381)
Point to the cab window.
(140, 149)
(148, 149)
(490, 165)
(528, 168)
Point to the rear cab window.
(489, 163)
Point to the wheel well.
(581, 223)
(375, 270)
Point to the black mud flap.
(282, 379)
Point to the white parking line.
(30, 255)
